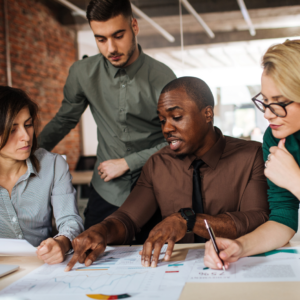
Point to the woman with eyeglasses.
(279, 100)
(34, 183)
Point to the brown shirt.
(232, 181)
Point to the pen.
(213, 239)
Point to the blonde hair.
(282, 63)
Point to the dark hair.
(12, 101)
(103, 10)
(195, 88)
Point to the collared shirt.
(232, 183)
(123, 103)
(284, 205)
(27, 214)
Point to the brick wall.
(42, 51)
(2, 47)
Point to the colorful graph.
(108, 297)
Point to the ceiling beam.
(246, 16)
(150, 42)
(192, 11)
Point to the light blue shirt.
(27, 214)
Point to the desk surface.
(81, 177)
(191, 291)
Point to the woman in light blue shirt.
(33, 183)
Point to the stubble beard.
(129, 53)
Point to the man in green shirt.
(122, 86)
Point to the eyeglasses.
(278, 109)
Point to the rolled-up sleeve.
(140, 205)
(63, 200)
(254, 208)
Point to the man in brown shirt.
(233, 185)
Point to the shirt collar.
(30, 168)
(212, 156)
(131, 70)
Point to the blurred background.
(221, 42)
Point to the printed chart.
(118, 274)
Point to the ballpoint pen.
(213, 239)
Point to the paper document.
(117, 272)
(14, 247)
(278, 265)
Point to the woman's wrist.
(242, 243)
(64, 243)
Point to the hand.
(170, 230)
(112, 168)
(52, 251)
(282, 169)
(230, 251)
(92, 240)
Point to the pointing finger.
(169, 251)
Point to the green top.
(283, 204)
(123, 103)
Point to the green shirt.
(124, 104)
(283, 204)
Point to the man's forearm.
(223, 226)
(116, 231)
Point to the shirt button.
(121, 109)
(20, 236)
(123, 85)
(14, 219)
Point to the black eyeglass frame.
(283, 105)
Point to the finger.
(82, 258)
(157, 248)
(48, 256)
(147, 252)
(273, 149)
(210, 263)
(53, 258)
(72, 262)
(44, 250)
(94, 254)
(41, 244)
(229, 252)
(212, 256)
(78, 254)
(141, 252)
(169, 251)
(57, 261)
(108, 178)
(281, 145)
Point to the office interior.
(221, 42)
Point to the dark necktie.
(197, 197)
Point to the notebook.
(6, 269)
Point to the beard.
(128, 55)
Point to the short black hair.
(103, 10)
(195, 88)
